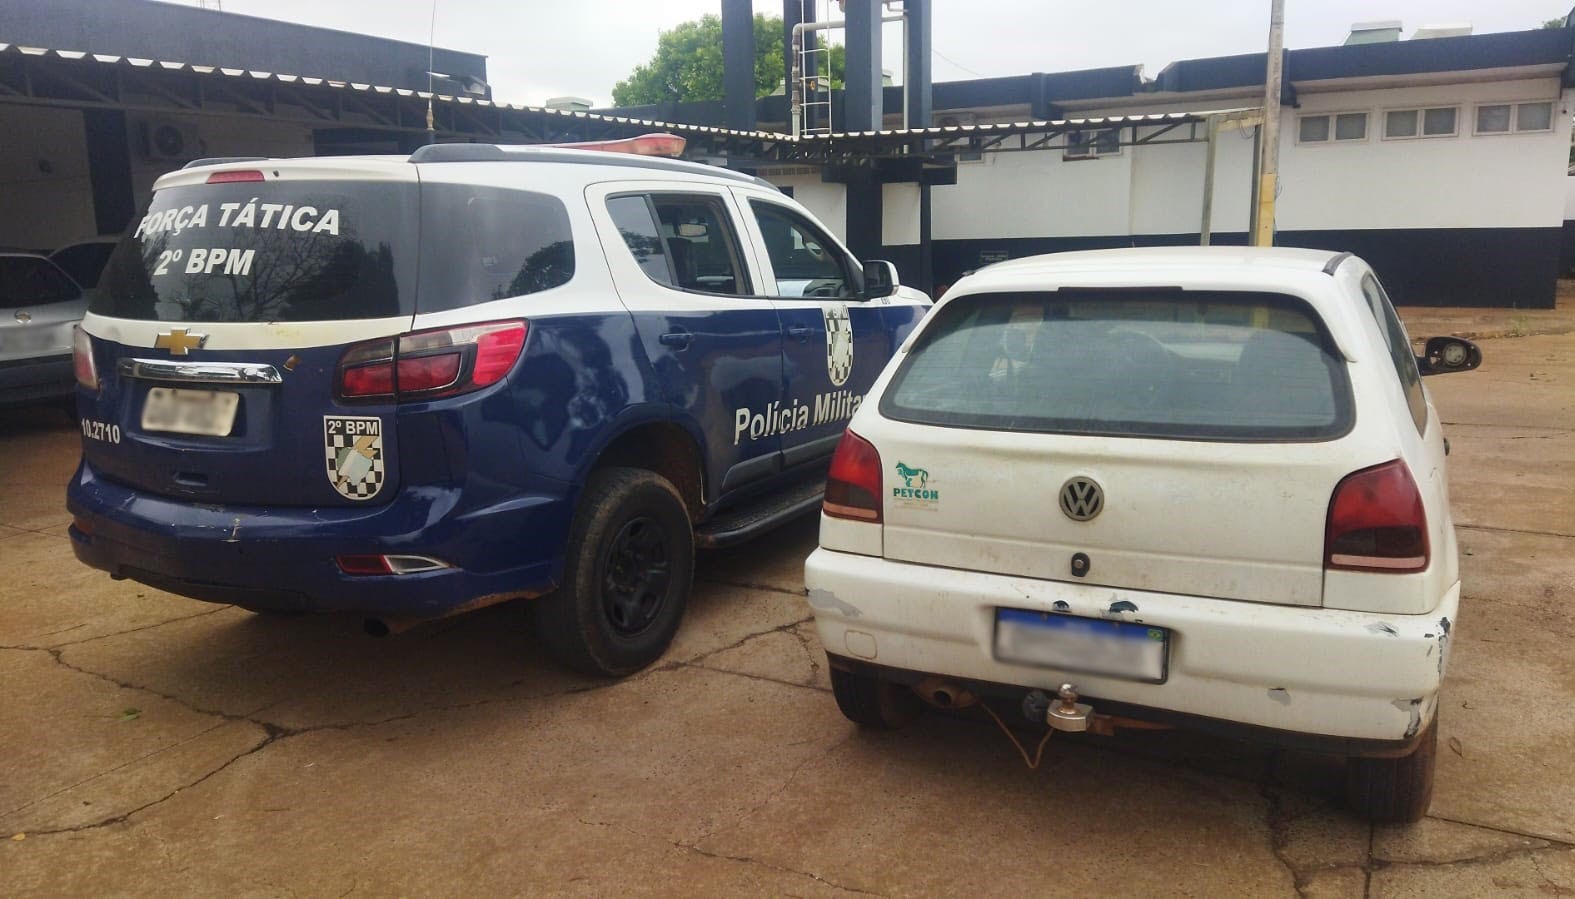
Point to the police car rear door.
(685, 271)
(834, 342)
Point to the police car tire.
(571, 623)
(1394, 790)
(872, 702)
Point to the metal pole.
(1207, 228)
(1268, 168)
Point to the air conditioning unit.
(163, 139)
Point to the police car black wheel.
(627, 572)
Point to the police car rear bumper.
(284, 559)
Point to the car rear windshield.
(267, 251)
(33, 281)
(1162, 363)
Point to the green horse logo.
(909, 475)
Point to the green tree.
(1554, 23)
(687, 65)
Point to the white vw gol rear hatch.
(1182, 441)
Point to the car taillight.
(82, 358)
(431, 364)
(853, 488)
(1376, 522)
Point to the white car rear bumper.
(1323, 672)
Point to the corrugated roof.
(677, 127)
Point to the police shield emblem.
(839, 344)
(354, 452)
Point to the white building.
(1441, 161)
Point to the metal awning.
(41, 76)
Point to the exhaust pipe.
(944, 694)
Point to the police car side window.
(691, 235)
(804, 262)
(485, 243)
(636, 222)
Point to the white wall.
(46, 198)
(1034, 194)
(899, 220)
(1569, 198)
(826, 202)
(1467, 181)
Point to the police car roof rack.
(527, 153)
(223, 160)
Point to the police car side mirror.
(1448, 354)
(880, 279)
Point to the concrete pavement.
(156, 744)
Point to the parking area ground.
(155, 744)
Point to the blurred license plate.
(1089, 645)
(207, 412)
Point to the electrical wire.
(1038, 752)
(954, 62)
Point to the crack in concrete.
(756, 677)
(274, 732)
(777, 793)
(1556, 841)
(1488, 527)
(746, 585)
(132, 630)
(1278, 824)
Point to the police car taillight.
(853, 486)
(431, 364)
(82, 358)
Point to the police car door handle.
(800, 331)
(678, 340)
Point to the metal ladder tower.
(812, 97)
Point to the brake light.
(853, 486)
(82, 358)
(234, 176)
(1376, 522)
(431, 364)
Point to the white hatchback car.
(1202, 488)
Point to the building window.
(1343, 126)
(1400, 123)
(1350, 126)
(1505, 118)
(1534, 117)
(1090, 144)
(1437, 121)
(1440, 121)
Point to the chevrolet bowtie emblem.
(179, 342)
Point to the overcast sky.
(545, 48)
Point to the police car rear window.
(267, 251)
(1189, 365)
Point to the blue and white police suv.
(411, 387)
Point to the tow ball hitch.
(1062, 713)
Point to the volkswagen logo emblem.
(1081, 498)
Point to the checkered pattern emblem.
(839, 344)
(353, 451)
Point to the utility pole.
(1269, 162)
